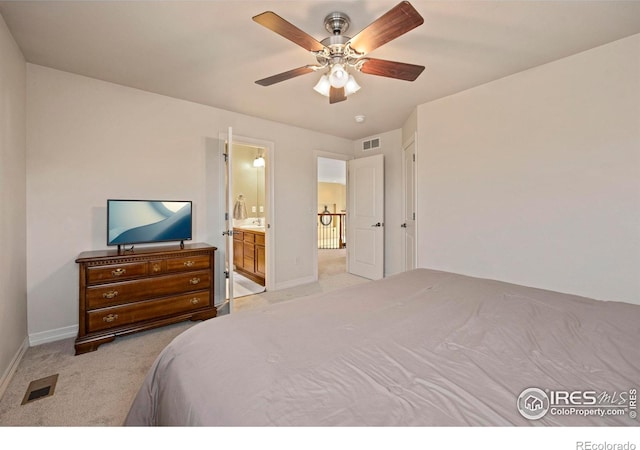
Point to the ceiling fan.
(338, 52)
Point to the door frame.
(314, 224)
(270, 216)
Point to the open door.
(365, 220)
(228, 233)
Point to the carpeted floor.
(332, 274)
(331, 262)
(97, 388)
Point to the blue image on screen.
(136, 221)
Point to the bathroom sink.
(251, 227)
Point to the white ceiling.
(211, 52)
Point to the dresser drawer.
(157, 267)
(116, 316)
(130, 291)
(189, 263)
(259, 239)
(100, 274)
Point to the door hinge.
(414, 157)
(226, 274)
(226, 157)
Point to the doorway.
(331, 216)
(249, 219)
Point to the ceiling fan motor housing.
(337, 23)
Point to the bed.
(421, 348)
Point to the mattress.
(421, 348)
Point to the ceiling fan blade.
(391, 69)
(287, 30)
(285, 76)
(336, 95)
(394, 23)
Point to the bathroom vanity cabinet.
(249, 256)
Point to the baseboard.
(294, 283)
(13, 366)
(58, 334)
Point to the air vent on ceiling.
(371, 144)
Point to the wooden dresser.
(127, 292)
(249, 256)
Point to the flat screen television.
(148, 221)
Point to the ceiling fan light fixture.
(324, 86)
(352, 86)
(338, 76)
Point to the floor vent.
(44, 387)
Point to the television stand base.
(122, 252)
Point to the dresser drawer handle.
(195, 300)
(194, 280)
(110, 318)
(110, 294)
(119, 271)
(189, 263)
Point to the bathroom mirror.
(248, 181)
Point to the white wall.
(535, 178)
(13, 242)
(90, 140)
(410, 127)
(391, 148)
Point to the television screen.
(146, 221)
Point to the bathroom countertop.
(250, 228)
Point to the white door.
(229, 219)
(409, 206)
(365, 216)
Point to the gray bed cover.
(421, 348)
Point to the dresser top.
(142, 251)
